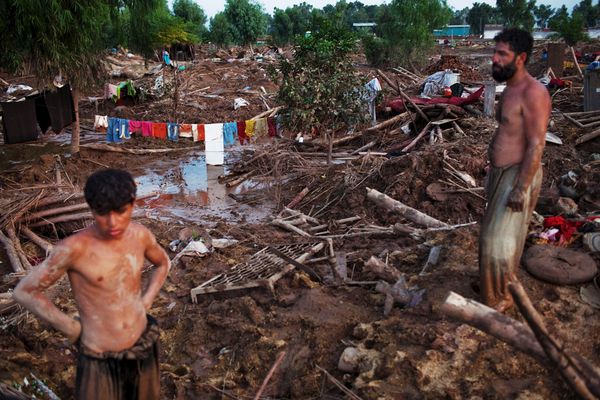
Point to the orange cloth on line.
(250, 127)
(185, 130)
(201, 132)
(159, 130)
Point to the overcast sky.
(211, 7)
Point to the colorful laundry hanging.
(100, 123)
(112, 131)
(194, 132)
(201, 132)
(146, 128)
(214, 144)
(229, 133)
(159, 130)
(173, 131)
(272, 126)
(260, 127)
(241, 128)
(185, 131)
(124, 129)
(135, 126)
(250, 127)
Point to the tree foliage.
(459, 17)
(480, 15)
(589, 12)
(517, 13)
(406, 27)
(292, 21)
(71, 47)
(319, 86)
(193, 17)
(221, 31)
(570, 28)
(542, 14)
(246, 19)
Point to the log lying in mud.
(407, 212)
(512, 332)
(581, 376)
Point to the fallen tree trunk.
(17, 246)
(388, 122)
(587, 137)
(45, 245)
(506, 329)
(55, 211)
(407, 212)
(11, 253)
(584, 386)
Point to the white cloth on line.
(214, 147)
(195, 132)
(101, 121)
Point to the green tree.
(193, 16)
(460, 16)
(558, 16)
(570, 28)
(480, 15)
(142, 24)
(517, 13)
(52, 37)
(406, 26)
(246, 19)
(292, 21)
(589, 13)
(320, 88)
(221, 31)
(542, 14)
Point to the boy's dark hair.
(518, 40)
(109, 190)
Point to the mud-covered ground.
(224, 345)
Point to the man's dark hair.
(518, 40)
(109, 190)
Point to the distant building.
(450, 31)
(364, 26)
(489, 30)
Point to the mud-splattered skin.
(104, 263)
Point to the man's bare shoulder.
(535, 89)
(141, 232)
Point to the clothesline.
(216, 136)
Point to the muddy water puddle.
(188, 189)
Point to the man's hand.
(516, 198)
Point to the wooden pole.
(269, 375)
(489, 99)
(417, 138)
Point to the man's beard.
(502, 74)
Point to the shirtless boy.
(117, 340)
(515, 176)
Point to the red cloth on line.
(241, 128)
(146, 129)
(135, 126)
(201, 132)
(272, 124)
(159, 130)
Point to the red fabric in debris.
(397, 105)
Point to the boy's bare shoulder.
(140, 231)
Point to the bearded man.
(515, 175)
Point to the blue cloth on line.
(230, 132)
(123, 130)
(173, 131)
(113, 125)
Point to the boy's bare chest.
(112, 266)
